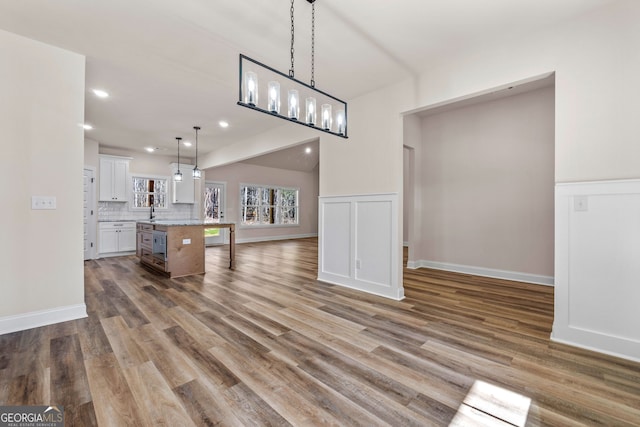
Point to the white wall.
(41, 251)
(596, 64)
(487, 181)
(242, 173)
(91, 154)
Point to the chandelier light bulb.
(274, 97)
(341, 122)
(326, 116)
(294, 107)
(311, 110)
(251, 88)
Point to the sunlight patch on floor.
(490, 405)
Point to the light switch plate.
(43, 202)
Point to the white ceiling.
(303, 158)
(169, 65)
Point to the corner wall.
(41, 251)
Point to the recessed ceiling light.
(186, 143)
(87, 126)
(223, 124)
(307, 150)
(100, 93)
(151, 149)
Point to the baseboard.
(114, 254)
(623, 348)
(485, 272)
(35, 319)
(396, 294)
(272, 238)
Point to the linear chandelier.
(333, 111)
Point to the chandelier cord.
(313, 44)
(197, 128)
(291, 73)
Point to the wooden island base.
(184, 254)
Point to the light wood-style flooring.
(267, 344)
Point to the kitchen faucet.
(151, 211)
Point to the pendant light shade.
(177, 177)
(197, 173)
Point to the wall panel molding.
(359, 243)
(597, 257)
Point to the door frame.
(223, 199)
(92, 223)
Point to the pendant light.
(177, 177)
(300, 95)
(197, 173)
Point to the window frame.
(133, 176)
(241, 204)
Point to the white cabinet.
(113, 178)
(115, 237)
(183, 191)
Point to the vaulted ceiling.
(169, 65)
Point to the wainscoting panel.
(597, 301)
(335, 239)
(373, 242)
(359, 245)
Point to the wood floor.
(267, 344)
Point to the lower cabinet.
(116, 237)
(145, 251)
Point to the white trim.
(114, 254)
(272, 238)
(345, 254)
(398, 295)
(482, 271)
(35, 319)
(574, 254)
(131, 193)
(93, 228)
(620, 347)
(223, 238)
(241, 224)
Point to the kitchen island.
(176, 247)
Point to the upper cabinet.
(113, 178)
(183, 191)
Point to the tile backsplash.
(114, 211)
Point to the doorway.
(214, 208)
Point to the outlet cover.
(43, 202)
(580, 203)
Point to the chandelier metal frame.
(248, 91)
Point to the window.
(149, 192)
(268, 205)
